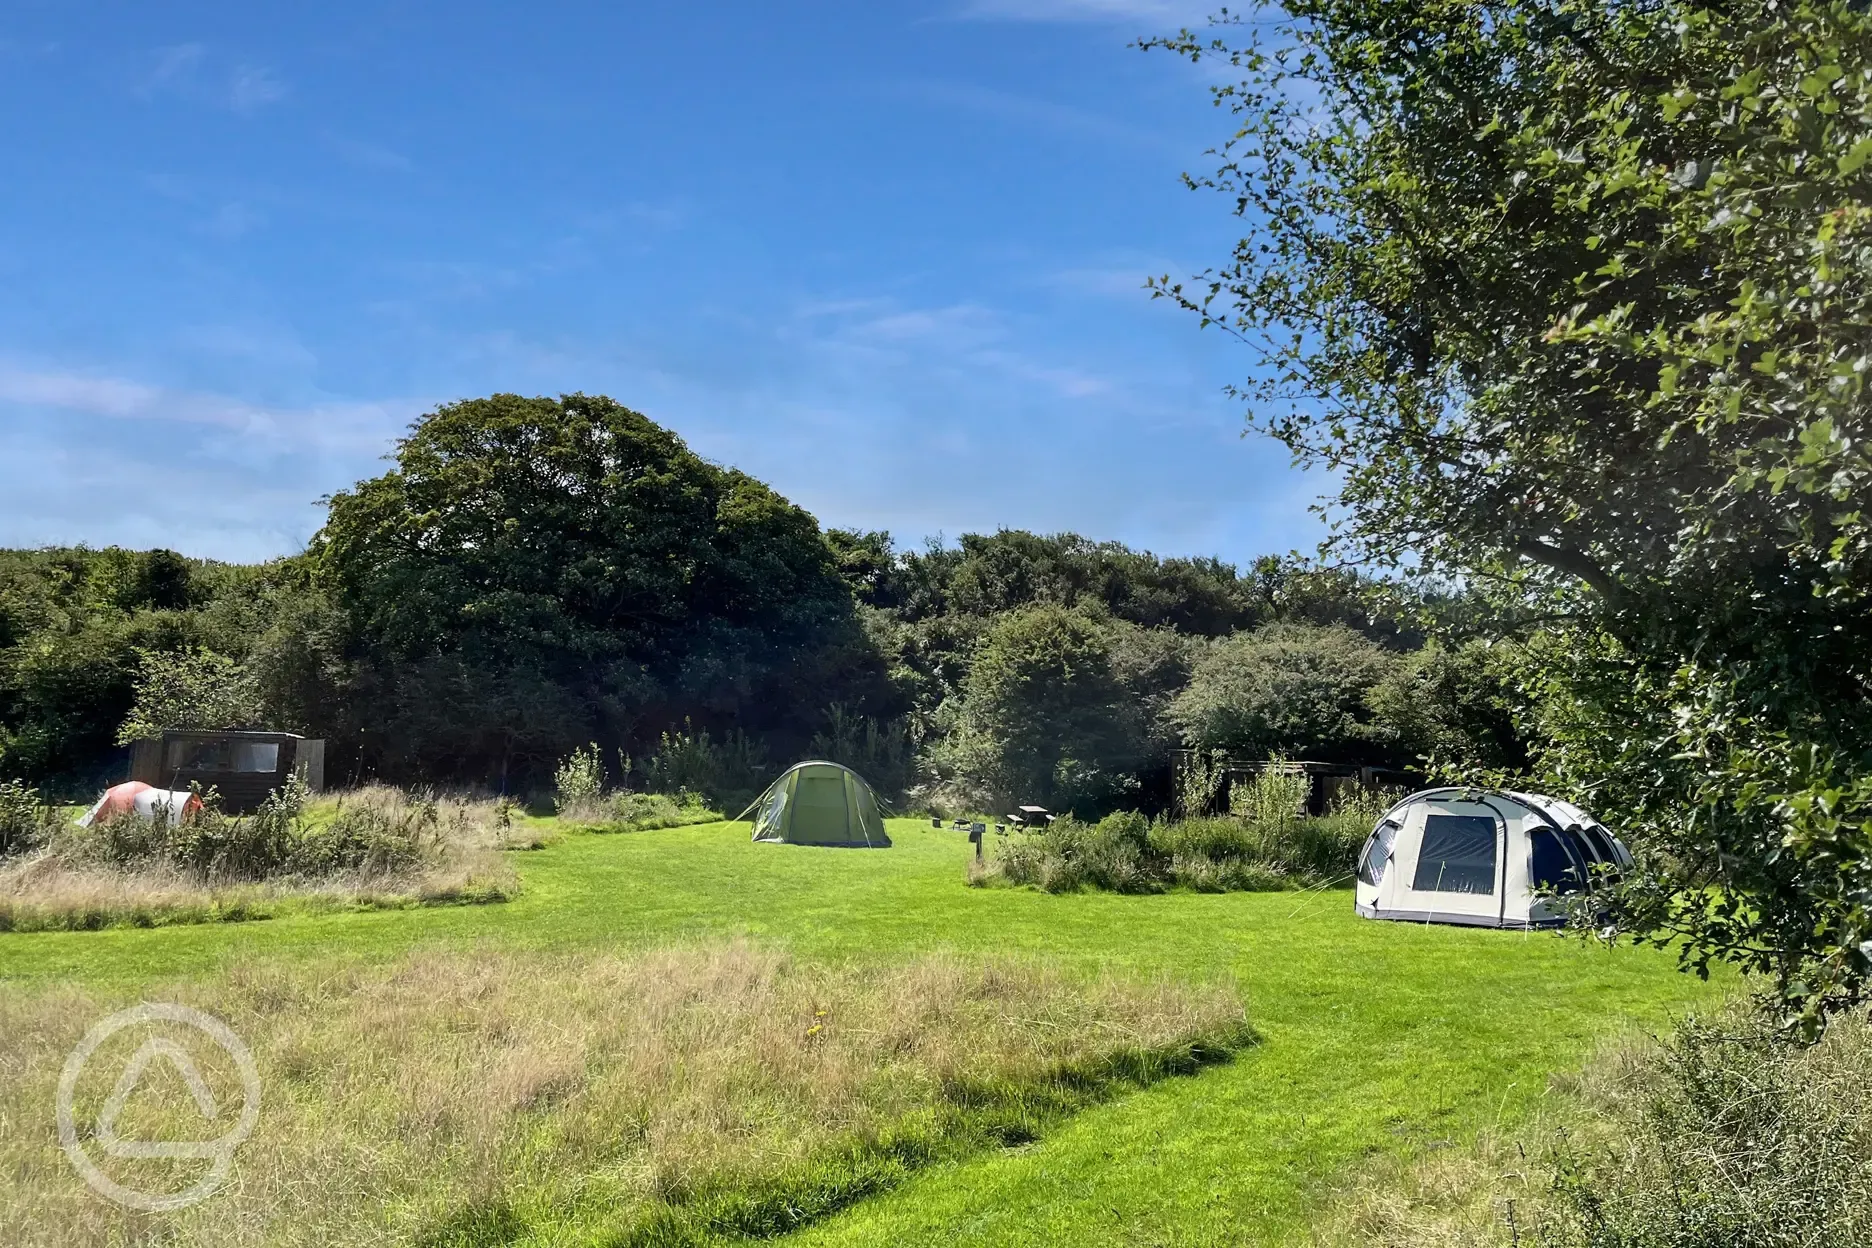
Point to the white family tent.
(1480, 857)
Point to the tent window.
(1378, 853)
(1549, 864)
(1581, 846)
(1602, 850)
(1458, 855)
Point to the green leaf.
(1856, 156)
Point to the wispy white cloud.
(1175, 12)
(964, 338)
(110, 460)
(15, 49)
(233, 219)
(348, 426)
(171, 65)
(251, 87)
(368, 155)
(965, 418)
(1116, 281)
(1029, 111)
(186, 70)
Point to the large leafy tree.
(77, 625)
(1574, 297)
(1288, 688)
(1044, 714)
(535, 573)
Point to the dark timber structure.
(244, 767)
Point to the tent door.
(1457, 863)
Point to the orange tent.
(143, 801)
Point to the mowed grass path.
(1376, 1037)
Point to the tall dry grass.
(661, 1097)
(1127, 852)
(370, 847)
(1721, 1135)
(636, 812)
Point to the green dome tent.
(818, 803)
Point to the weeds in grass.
(1272, 797)
(1199, 781)
(643, 812)
(25, 821)
(1128, 853)
(638, 812)
(687, 766)
(375, 847)
(666, 1097)
(730, 772)
(1725, 1135)
(579, 782)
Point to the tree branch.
(1574, 563)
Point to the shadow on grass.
(28, 918)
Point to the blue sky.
(887, 256)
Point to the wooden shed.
(244, 767)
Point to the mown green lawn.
(1375, 1036)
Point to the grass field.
(1375, 1038)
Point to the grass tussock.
(1722, 1135)
(374, 847)
(1129, 853)
(636, 812)
(666, 1097)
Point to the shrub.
(1272, 797)
(375, 847)
(1283, 687)
(214, 844)
(1128, 853)
(1066, 855)
(643, 812)
(1226, 875)
(1211, 838)
(580, 781)
(1730, 1135)
(1319, 850)
(1043, 716)
(1198, 782)
(730, 772)
(122, 841)
(376, 831)
(25, 821)
(884, 754)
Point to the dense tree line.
(533, 575)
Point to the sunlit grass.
(1375, 1039)
(655, 1097)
